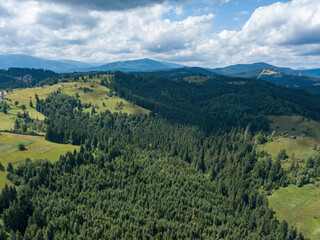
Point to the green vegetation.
(14, 77)
(196, 78)
(215, 104)
(144, 177)
(37, 148)
(299, 207)
(295, 126)
(97, 96)
(306, 135)
(6, 121)
(299, 138)
(187, 170)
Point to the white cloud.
(178, 10)
(243, 13)
(49, 30)
(281, 34)
(225, 1)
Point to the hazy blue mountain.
(77, 64)
(64, 65)
(135, 65)
(24, 61)
(313, 72)
(277, 75)
(242, 69)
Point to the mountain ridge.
(67, 66)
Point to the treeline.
(9, 78)
(144, 177)
(219, 103)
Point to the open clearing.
(6, 121)
(295, 126)
(300, 207)
(307, 133)
(97, 95)
(37, 148)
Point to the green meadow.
(6, 121)
(300, 207)
(98, 96)
(307, 133)
(37, 148)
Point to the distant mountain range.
(277, 75)
(24, 61)
(262, 71)
(255, 69)
(136, 65)
(313, 72)
(64, 66)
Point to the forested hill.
(142, 177)
(16, 77)
(218, 103)
(166, 175)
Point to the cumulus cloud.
(53, 32)
(281, 33)
(106, 4)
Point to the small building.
(27, 77)
(293, 137)
(303, 135)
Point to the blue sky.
(207, 33)
(230, 15)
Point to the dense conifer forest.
(188, 170)
(13, 77)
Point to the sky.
(206, 33)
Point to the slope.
(25, 61)
(135, 65)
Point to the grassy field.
(295, 126)
(286, 126)
(96, 97)
(6, 121)
(37, 148)
(300, 207)
(196, 79)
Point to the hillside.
(314, 72)
(23, 77)
(261, 71)
(135, 65)
(238, 101)
(235, 70)
(25, 61)
(180, 72)
(277, 75)
(191, 168)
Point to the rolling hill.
(67, 66)
(313, 72)
(262, 71)
(135, 65)
(277, 75)
(24, 61)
